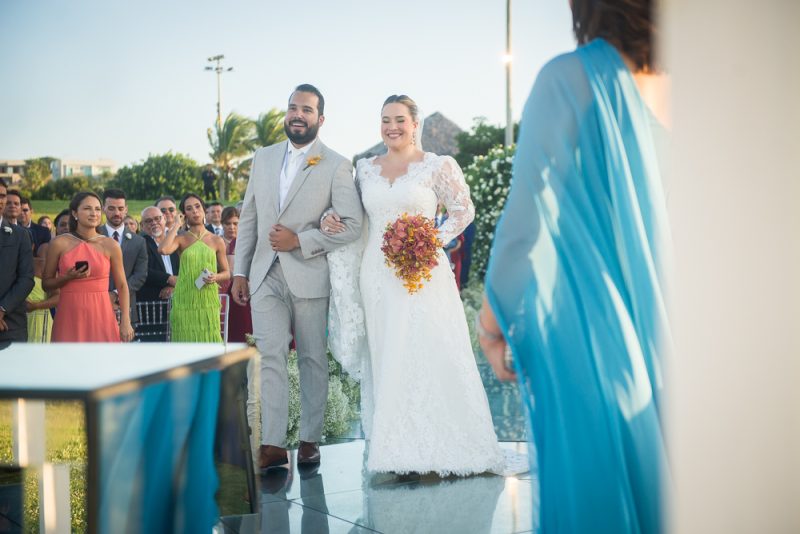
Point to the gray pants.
(276, 313)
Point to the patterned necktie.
(115, 235)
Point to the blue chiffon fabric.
(157, 471)
(576, 282)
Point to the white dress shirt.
(121, 231)
(292, 162)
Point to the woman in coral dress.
(79, 263)
(195, 312)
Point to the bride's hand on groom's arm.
(332, 224)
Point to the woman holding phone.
(79, 263)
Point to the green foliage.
(37, 174)
(230, 143)
(66, 188)
(268, 128)
(480, 140)
(472, 298)
(489, 179)
(165, 174)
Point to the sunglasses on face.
(152, 220)
(165, 210)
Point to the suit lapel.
(274, 167)
(302, 174)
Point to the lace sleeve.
(453, 192)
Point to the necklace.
(198, 237)
(82, 238)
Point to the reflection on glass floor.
(340, 496)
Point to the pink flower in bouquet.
(411, 246)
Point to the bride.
(424, 408)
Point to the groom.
(281, 268)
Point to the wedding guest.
(38, 305)
(575, 281)
(62, 222)
(45, 222)
(240, 320)
(162, 270)
(16, 276)
(162, 276)
(131, 224)
(134, 250)
(80, 263)
(39, 234)
(18, 211)
(168, 209)
(230, 224)
(214, 218)
(195, 314)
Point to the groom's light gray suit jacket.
(314, 189)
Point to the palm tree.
(230, 143)
(269, 128)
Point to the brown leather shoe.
(308, 453)
(272, 456)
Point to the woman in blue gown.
(575, 283)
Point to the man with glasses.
(167, 206)
(162, 271)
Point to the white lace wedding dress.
(424, 408)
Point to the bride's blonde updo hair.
(407, 102)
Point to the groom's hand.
(240, 290)
(282, 239)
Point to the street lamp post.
(507, 59)
(219, 69)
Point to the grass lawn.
(66, 444)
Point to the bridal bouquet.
(411, 245)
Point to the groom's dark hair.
(308, 88)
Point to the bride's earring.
(414, 138)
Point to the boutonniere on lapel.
(128, 235)
(7, 229)
(310, 162)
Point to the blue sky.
(90, 79)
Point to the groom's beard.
(301, 138)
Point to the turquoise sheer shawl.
(575, 279)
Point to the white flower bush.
(489, 179)
(344, 396)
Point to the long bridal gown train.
(424, 408)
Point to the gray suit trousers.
(276, 313)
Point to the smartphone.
(81, 265)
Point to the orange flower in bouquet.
(411, 245)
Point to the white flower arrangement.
(489, 178)
(128, 235)
(7, 229)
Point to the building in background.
(64, 168)
(12, 170)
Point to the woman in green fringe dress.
(195, 312)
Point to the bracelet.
(482, 332)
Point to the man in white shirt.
(134, 249)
